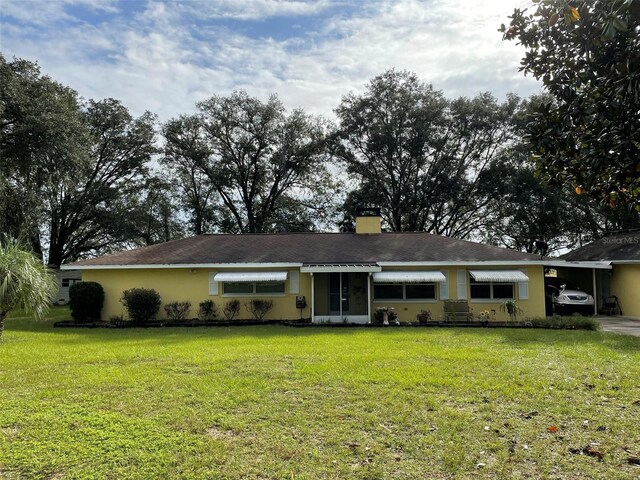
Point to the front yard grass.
(278, 402)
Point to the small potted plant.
(512, 308)
(424, 317)
(384, 315)
(485, 316)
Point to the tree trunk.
(3, 315)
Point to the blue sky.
(164, 56)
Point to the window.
(269, 287)
(384, 292)
(490, 290)
(67, 282)
(404, 291)
(419, 291)
(248, 288)
(239, 287)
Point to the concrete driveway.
(624, 325)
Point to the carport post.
(369, 296)
(595, 293)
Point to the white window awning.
(506, 276)
(409, 277)
(250, 277)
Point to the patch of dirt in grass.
(56, 476)
(11, 431)
(219, 433)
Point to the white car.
(564, 298)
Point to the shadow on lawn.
(186, 334)
(551, 337)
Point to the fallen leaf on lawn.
(588, 450)
(594, 452)
(633, 458)
(480, 465)
(552, 429)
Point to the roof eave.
(600, 264)
(72, 266)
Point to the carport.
(593, 278)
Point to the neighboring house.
(337, 276)
(622, 253)
(65, 278)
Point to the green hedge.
(575, 321)
(85, 301)
(142, 304)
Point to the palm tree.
(24, 282)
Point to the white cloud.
(44, 12)
(255, 9)
(159, 60)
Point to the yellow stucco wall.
(532, 307)
(625, 284)
(183, 284)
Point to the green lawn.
(278, 402)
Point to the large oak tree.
(267, 167)
(71, 171)
(424, 159)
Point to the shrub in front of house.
(231, 309)
(142, 304)
(578, 322)
(85, 301)
(207, 311)
(259, 308)
(118, 321)
(177, 311)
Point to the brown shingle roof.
(312, 248)
(619, 247)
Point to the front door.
(339, 293)
(341, 296)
